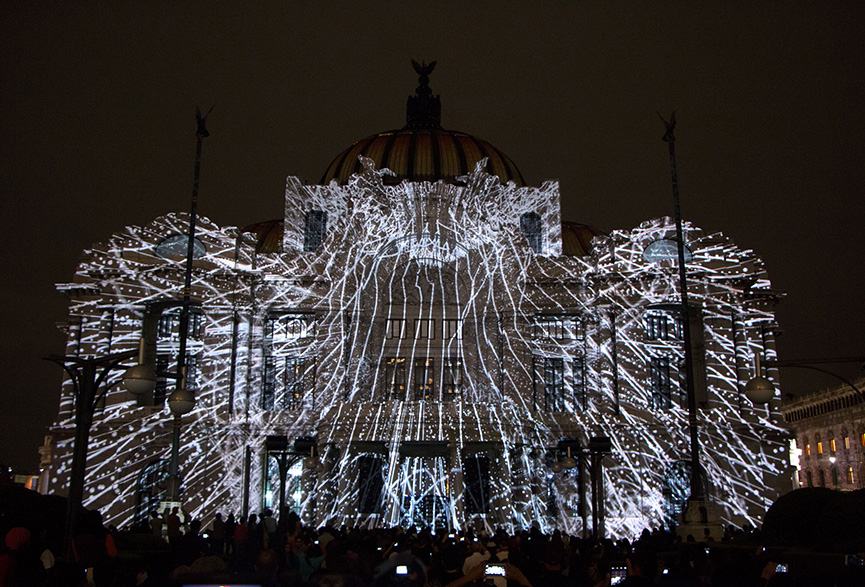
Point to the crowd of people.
(174, 550)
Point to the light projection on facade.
(413, 344)
(431, 351)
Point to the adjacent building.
(421, 339)
(829, 431)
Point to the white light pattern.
(539, 347)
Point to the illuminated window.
(532, 227)
(807, 450)
(819, 448)
(863, 440)
(850, 475)
(452, 377)
(424, 328)
(424, 370)
(659, 377)
(315, 228)
(846, 443)
(395, 328)
(832, 445)
(452, 328)
(554, 384)
(394, 377)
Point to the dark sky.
(97, 132)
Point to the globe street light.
(760, 390)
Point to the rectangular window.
(191, 373)
(452, 380)
(268, 388)
(452, 328)
(550, 327)
(424, 370)
(846, 443)
(662, 326)
(196, 321)
(554, 384)
(560, 327)
(315, 229)
(161, 390)
(395, 328)
(395, 377)
(850, 475)
(819, 448)
(532, 228)
(424, 328)
(659, 376)
(832, 445)
(167, 325)
(807, 450)
(580, 398)
(295, 368)
(863, 439)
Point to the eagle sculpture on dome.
(423, 70)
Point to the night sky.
(97, 131)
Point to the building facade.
(829, 431)
(422, 340)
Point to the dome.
(423, 150)
(577, 238)
(423, 154)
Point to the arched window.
(532, 228)
(821, 478)
(810, 477)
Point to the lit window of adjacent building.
(424, 370)
(819, 448)
(807, 450)
(452, 328)
(394, 377)
(846, 443)
(862, 439)
(424, 328)
(832, 445)
(452, 377)
(395, 328)
(850, 475)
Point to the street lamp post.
(182, 401)
(88, 375)
(699, 518)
